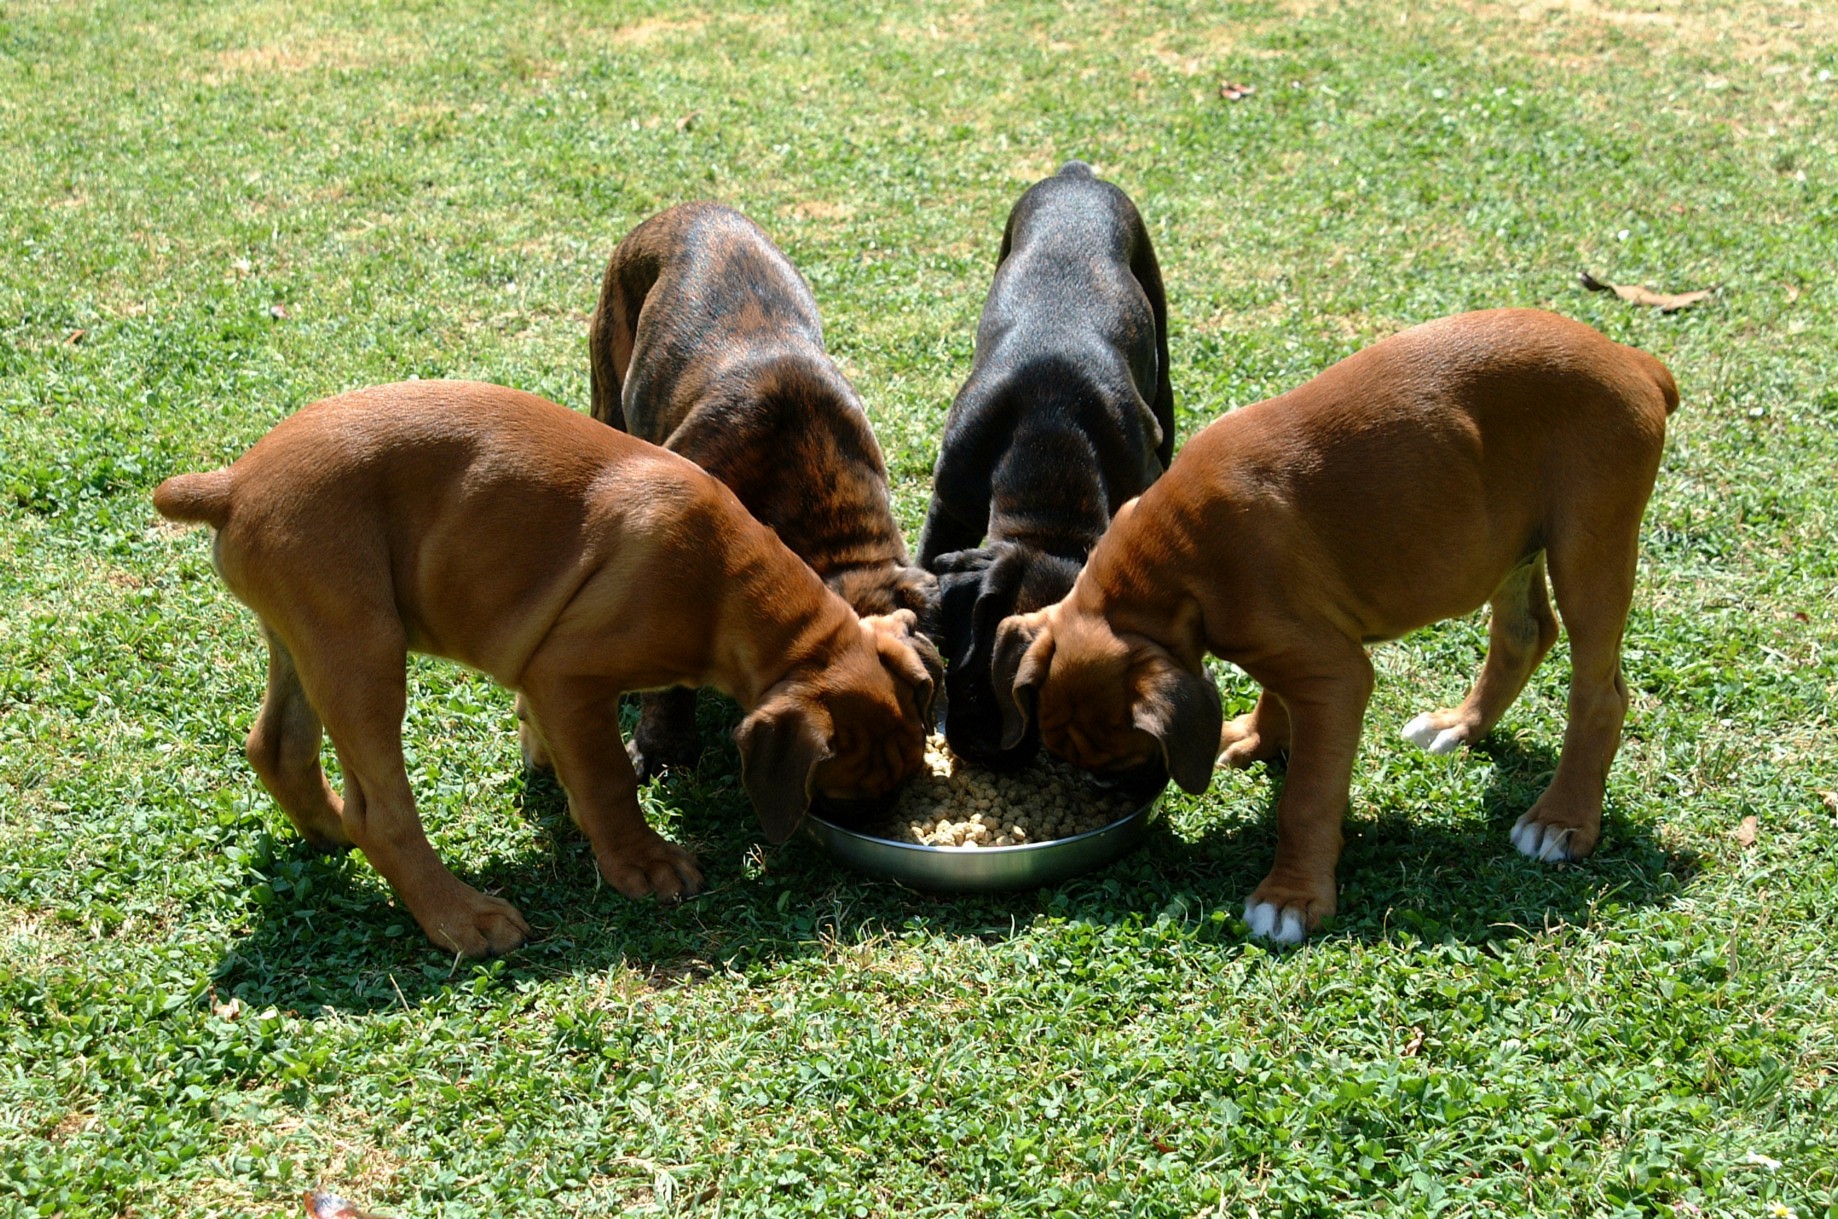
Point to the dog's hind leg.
(1594, 592)
(283, 747)
(1521, 631)
(578, 716)
(361, 693)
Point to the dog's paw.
(1426, 732)
(660, 867)
(1278, 924)
(481, 927)
(1537, 836)
(1286, 911)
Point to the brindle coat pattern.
(706, 340)
(1067, 413)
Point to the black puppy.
(1067, 413)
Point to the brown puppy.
(567, 562)
(706, 341)
(1447, 466)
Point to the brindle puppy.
(1066, 414)
(707, 341)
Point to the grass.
(215, 214)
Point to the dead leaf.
(1800, 616)
(1413, 1045)
(226, 1011)
(1633, 294)
(277, 312)
(76, 336)
(1746, 832)
(688, 121)
(1793, 293)
(1830, 800)
(1232, 91)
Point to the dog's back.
(707, 341)
(1071, 358)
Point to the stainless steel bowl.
(984, 869)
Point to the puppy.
(1453, 464)
(567, 562)
(1066, 414)
(706, 341)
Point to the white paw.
(1423, 733)
(1420, 731)
(1270, 921)
(1548, 843)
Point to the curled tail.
(195, 497)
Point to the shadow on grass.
(347, 946)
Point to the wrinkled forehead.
(1090, 670)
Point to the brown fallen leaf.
(1232, 91)
(76, 336)
(1746, 832)
(1633, 294)
(1413, 1045)
(688, 121)
(1830, 800)
(277, 312)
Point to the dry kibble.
(953, 804)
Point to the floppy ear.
(1024, 649)
(781, 745)
(1182, 711)
(908, 655)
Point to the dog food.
(954, 804)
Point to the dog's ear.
(781, 745)
(1024, 649)
(908, 655)
(1182, 711)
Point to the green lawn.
(212, 215)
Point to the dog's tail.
(1657, 375)
(1668, 388)
(203, 497)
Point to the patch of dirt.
(819, 209)
(654, 29)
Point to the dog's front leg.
(1257, 736)
(579, 719)
(1325, 709)
(944, 533)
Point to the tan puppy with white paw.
(1447, 466)
(567, 561)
